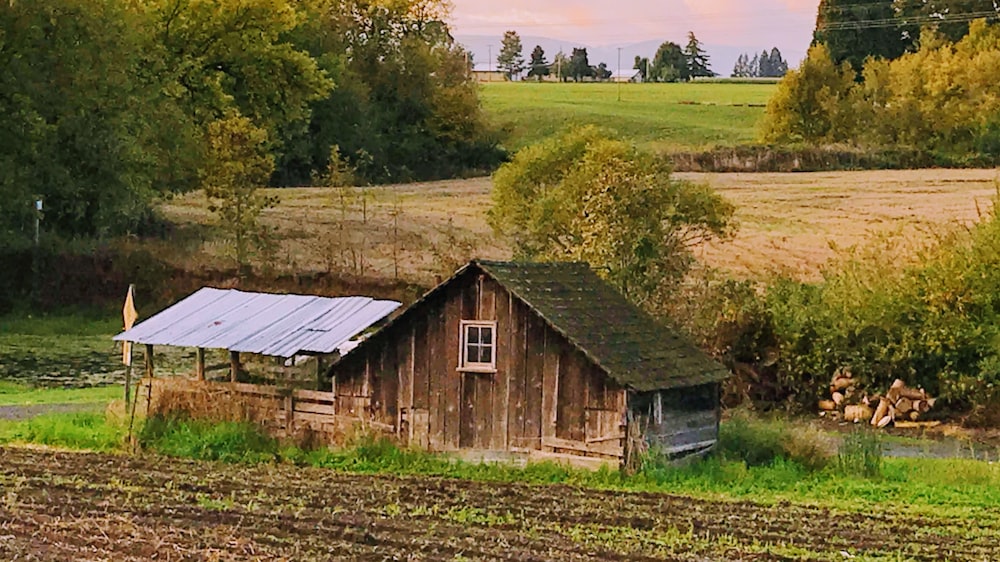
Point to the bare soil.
(72, 506)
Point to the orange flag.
(130, 316)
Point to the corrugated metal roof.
(268, 324)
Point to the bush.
(758, 442)
(76, 431)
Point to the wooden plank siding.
(545, 395)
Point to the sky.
(751, 25)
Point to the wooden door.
(476, 429)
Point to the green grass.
(89, 431)
(942, 487)
(19, 394)
(669, 117)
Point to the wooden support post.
(199, 368)
(149, 361)
(319, 373)
(234, 366)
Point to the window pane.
(485, 354)
(472, 334)
(486, 335)
(472, 354)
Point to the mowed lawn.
(790, 224)
(667, 117)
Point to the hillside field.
(789, 223)
(666, 117)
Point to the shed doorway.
(476, 414)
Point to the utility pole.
(618, 77)
(490, 68)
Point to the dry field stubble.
(789, 223)
(77, 506)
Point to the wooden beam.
(149, 361)
(234, 366)
(199, 368)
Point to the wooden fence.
(285, 412)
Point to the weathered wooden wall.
(545, 396)
(679, 421)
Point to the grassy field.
(669, 117)
(789, 223)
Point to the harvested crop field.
(62, 506)
(789, 223)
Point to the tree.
(742, 67)
(948, 18)
(84, 123)
(670, 64)
(697, 58)
(777, 65)
(579, 65)
(406, 106)
(764, 67)
(510, 58)
(642, 65)
(602, 73)
(561, 66)
(586, 196)
(846, 28)
(238, 163)
(812, 103)
(539, 67)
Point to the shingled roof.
(634, 349)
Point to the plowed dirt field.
(73, 506)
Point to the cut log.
(930, 402)
(914, 415)
(881, 411)
(827, 405)
(898, 384)
(913, 393)
(838, 398)
(840, 384)
(857, 414)
(884, 422)
(914, 425)
(904, 405)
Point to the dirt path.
(62, 506)
(23, 412)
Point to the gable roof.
(614, 334)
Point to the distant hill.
(722, 57)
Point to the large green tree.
(587, 196)
(405, 107)
(853, 30)
(81, 124)
(579, 65)
(670, 63)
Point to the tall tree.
(764, 65)
(697, 59)
(579, 65)
(742, 67)
(539, 67)
(238, 164)
(854, 30)
(511, 59)
(950, 18)
(670, 64)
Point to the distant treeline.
(104, 104)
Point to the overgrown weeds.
(758, 442)
(234, 442)
(860, 454)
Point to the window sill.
(478, 370)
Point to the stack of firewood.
(900, 404)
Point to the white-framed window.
(478, 349)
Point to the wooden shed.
(540, 358)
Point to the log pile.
(899, 404)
